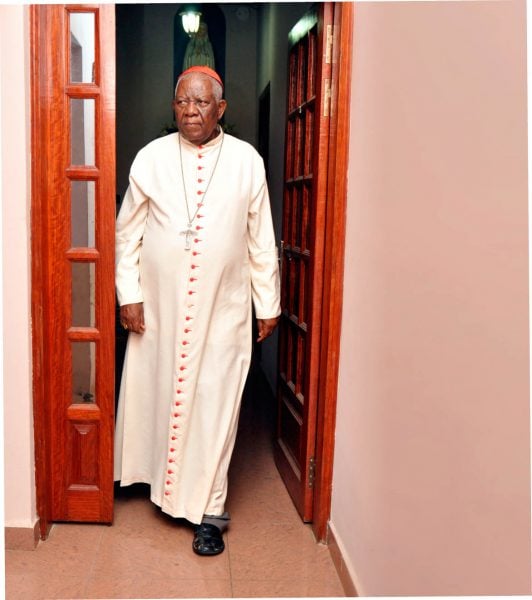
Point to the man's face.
(196, 110)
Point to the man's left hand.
(266, 327)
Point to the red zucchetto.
(205, 70)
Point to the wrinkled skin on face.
(197, 111)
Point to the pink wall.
(18, 425)
(431, 492)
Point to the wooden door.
(73, 215)
(303, 229)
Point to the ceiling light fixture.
(190, 17)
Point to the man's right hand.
(132, 317)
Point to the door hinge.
(329, 44)
(311, 471)
(327, 98)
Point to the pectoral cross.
(188, 232)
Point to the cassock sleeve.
(129, 232)
(262, 250)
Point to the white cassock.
(183, 377)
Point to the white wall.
(431, 489)
(19, 489)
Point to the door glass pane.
(82, 44)
(82, 215)
(82, 131)
(83, 372)
(83, 294)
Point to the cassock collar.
(212, 144)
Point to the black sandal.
(208, 540)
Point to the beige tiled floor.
(145, 554)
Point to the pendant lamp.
(190, 17)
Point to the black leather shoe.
(208, 540)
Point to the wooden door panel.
(73, 214)
(305, 185)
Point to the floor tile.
(287, 588)
(140, 586)
(69, 550)
(40, 583)
(155, 553)
(261, 551)
(265, 499)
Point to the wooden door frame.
(333, 270)
(39, 54)
(333, 264)
(47, 118)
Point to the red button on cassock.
(167, 493)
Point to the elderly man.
(194, 248)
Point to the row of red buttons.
(185, 342)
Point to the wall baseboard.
(21, 538)
(341, 568)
